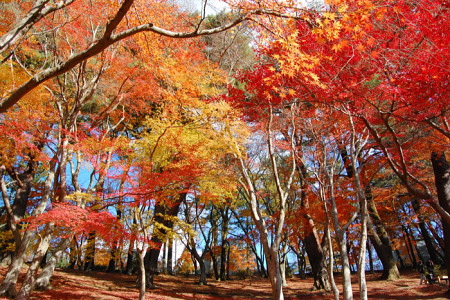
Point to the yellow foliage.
(7, 241)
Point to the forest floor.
(79, 285)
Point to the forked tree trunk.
(30, 278)
(201, 263)
(43, 280)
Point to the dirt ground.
(69, 284)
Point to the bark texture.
(441, 170)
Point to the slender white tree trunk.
(142, 286)
(334, 287)
(346, 273)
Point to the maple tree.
(114, 30)
(329, 60)
(134, 109)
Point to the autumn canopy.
(152, 136)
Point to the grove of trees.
(270, 138)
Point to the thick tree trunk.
(74, 253)
(380, 240)
(312, 241)
(8, 287)
(89, 260)
(316, 258)
(115, 252)
(18, 207)
(436, 236)
(151, 257)
(434, 255)
(23, 192)
(151, 264)
(273, 267)
(28, 284)
(43, 280)
(201, 263)
(441, 170)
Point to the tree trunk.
(301, 263)
(380, 239)
(18, 208)
(43, 280)
(273, 267)
(363, 242)
(74, 253)
(225, 244)
(151, 257)
(30, 278)
(200, 261)
(170, 256)
(224, 259)
(346, 273)
(436, 236)
(369, 251)
(142, 272)
(410, 247)
(8, 287)
(434, 255)
(378, 236)
(441, 170)
(312, 241)
(89, 260)
(215, 238)
(129, 267)
(112, 261)
(283, 266)
(334, 287)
